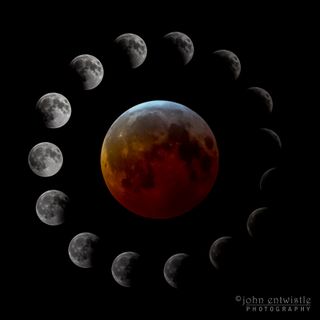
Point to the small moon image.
(179, 46)
(227, 64)
(259, 224)
(45, 159)
(51, 207)
(159, 159)
(270, 182)
(84, 250)
(54, 109)
(124, 268)
(272, 137)
(89, 70)
(221, 253)
(264, 147)
(260, 99)
(175, 268)
(131, 49)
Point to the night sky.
(277, 264)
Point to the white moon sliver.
(45, 159)
(51, 207)
(55, 110)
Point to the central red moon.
(159, 159)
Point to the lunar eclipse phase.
(55, 110)
(45, 159)
(51, 207)
(88, 69)
(130, 50)
(159, 159)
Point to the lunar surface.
(84, 250)
(54, 109)
(227, 64)
(124, 268)
(174, 269)
(179, 46)
(132, 49)
(221, 252)
(89, 69)
(159, 159)
(51, 207)
(45, 159)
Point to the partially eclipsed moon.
(51, 207)
(174, 269)
(124, 268)
(132, 49)
(180, 46)
(89, 69)
(55, 110)
(84, 250)
(228, 63)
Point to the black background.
(267, 47)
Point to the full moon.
(45, 159)
(159, 159)
(124, 268)
(84, 249)
(179, 46)
(55, 110)
(51, 207)
(89, 69)
(132, 49)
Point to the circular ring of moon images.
(159, 159)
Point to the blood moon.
(159, 159)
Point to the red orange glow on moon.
(159, 159)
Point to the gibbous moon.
(84, 250)
(45, 159)
(54, 109)
(159, 159)
(89, 69)
(174, 269)
(179, 46)
(227, 64)
(221, 252)
(51, 207)
(132, 49)
(125, 268)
